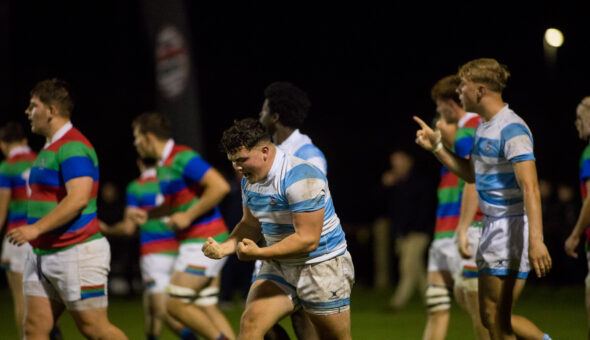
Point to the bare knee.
(36, 324)
(173, 306)
(249, 327)
(488, 316)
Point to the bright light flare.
(553, 37)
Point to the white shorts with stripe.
(76, 277)
(156, 270)
(504, 247)
(321, 288)
(191, 260)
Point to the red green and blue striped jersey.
(585, 176)
(14, 175)
(179, 174)
(155, 236)
(450, 187)
(70, 155)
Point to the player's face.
(39, 115)
(468, 94)
(447, 132)
(582, 123)
(142, 144)
(249, 163)
(444, 108)
(266, 118)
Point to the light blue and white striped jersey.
(300, 145)
(503, 140)
(294, 185)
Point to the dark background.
(367, 66)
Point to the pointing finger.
(420, 122)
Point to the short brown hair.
(487, 71)
(56, 92)
(155, 123)
(246, 133)
(12, 132)
(446, 89)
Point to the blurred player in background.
(583, 224)
(192, 190)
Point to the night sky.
(368, 67)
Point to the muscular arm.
(583, 221)
(427, 139)
(526, 176)
(308, 230)
(78, 195)
(247, 228)
(4, 202)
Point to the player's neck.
(159, 145)
(55, 125)
(490, 108)
(281, 134)
(272, 152)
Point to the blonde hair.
(584, 105)
(487, 71)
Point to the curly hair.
(289, 102)
(155, 123)
(57, 92)
(12, 132)
(446, 89)
(487, 71)
(246, 133)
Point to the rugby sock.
(222, 337)
(187, 334)
(546, 337)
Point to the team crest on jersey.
(273, 201)
(488, 147)
(43, 161)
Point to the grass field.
(557, 311)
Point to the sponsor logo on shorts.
(150, 283)
(92, 291)
(334, 296)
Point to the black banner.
(176, 90)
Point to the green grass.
(557, 311)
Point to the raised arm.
(430, 140)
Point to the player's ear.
(274, 117)
(265, 151)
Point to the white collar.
(167, 150)
(274, 169)
(291, 139)
(17, 150)
(147, 173)
(60, 133)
